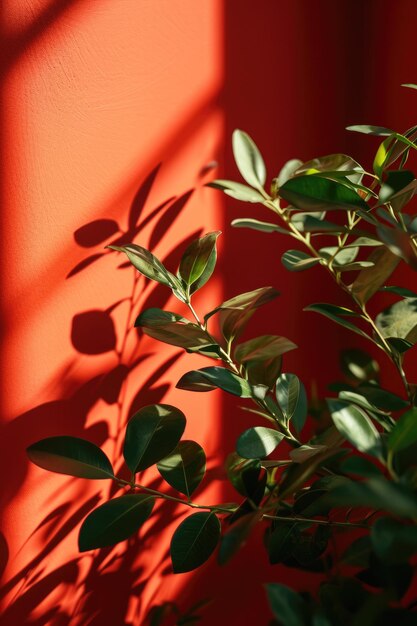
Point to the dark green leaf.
(399, 320)
(297, 261)
(292, 399)
(263, 348)
(209, 378)
(382, 398)
(236, 536)
(243, 474)
(371, 279)
(358, 553)
(342, 257)
(147, 264)
(280, 541)
(310, 224)
(248, 159)
(376, 493)
(71, 455)
(114, 521)
(266, 227)
(354, 424)
(174, 330)
(184, 468)
(258, 442)
(400, 243)
(404, 432)
(287, 605)
(359, 365)
(337, 314)
(194, 541)
(401, 291)
(198, 261)
(316, 193)
(393, 541)
(395, 186)
(359, 465)
(151, 434)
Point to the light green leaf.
(287, 171)
(354, 424)
(287, 605)
(399, 320)
(194, 541)
(404, 432)
(248, 159)
(266, 227)
(114, 521)
(184, 468)
(409, 85)
(71, 455)
(334, 164)
(298, 261)
(147, 264)
(198, 261)
(151, 434)
(209, 378)
(258, 442)
(342, 257)
(291, 397)
(367, 129)
(237, 190)
(316, 193)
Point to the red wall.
(97, 93)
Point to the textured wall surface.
(112, 110)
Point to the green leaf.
(184, 468)
(310, 224)
(237, 191)
(334, 164)
(367, 129)
(263, 348)
(401, 291)
(393, 541)
(354, 424)
(297, 261)
(399, 320)
(248, 159)
(258, 442)
(342, 257)
(209, 378)
(243, 474)
(404, 432)
(287, 171)
(395, 183)
(287, 605)
(280, 541)
(71, 455)
(266, 227)
(336, 314)
(236, 536)
(409, 85)
(173, 329)
(360, 466)
(358, 553)
(292, 399)
(369, 281)
(194, 541)
(147, 264)
(359, 365)
(316, 193)
(151, 434)
(376, 493)
(114, 521)
(198, 261)
(382, 398)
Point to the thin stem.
(306, 520)
(164, 496)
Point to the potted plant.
(357, 477)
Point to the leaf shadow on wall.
(93, 332)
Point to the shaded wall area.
(112, 113)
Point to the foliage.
(359, 475)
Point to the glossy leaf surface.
(194, 541)
(184, 468)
